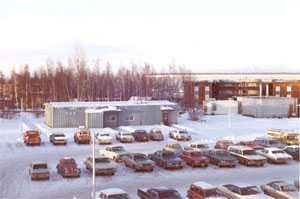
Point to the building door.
(165, 118)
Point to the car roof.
(38, 162)
(110, 191)
(273, 149)
(203, 185)
(241, 147)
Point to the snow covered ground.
(15, 158)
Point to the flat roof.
(204, 185)
(92, 104)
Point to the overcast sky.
(203, 35)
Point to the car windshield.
(118, 148)
(249, 152)
(182, 132)
(277, 152)
(140, 157)
(274, 142)
(168, 194)
(222, 153)
(252, 190)
(288, 188)
(104, 134)
(102, 160)
(210, 193)
(140, 131)
(59, 135)
(40, 166)
(126, 134)
(118, 196)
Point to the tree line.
(78, 80)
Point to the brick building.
(221, 86)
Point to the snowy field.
(15, 158)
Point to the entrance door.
(165, 118)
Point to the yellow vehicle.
(286, 137)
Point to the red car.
(194, 158)
(67, 167)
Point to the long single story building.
(110, 114)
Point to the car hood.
(104, 137)
(226, 158)
(174, 160)
(105, 166)
(40, 170)
(145, 162)
(60, 138)
(255, 157)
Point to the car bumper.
(107, 172)
(59, 142)
(104, 141)
(42, 176)
(256, 163)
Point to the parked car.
(251, 144)
(103, 165)
(139, 162)
(275, 155)
(293, 150)
(58, 138)
(39, 171)
(124, 137)
(247, 155)
(173, 147)
(155, 134)
(140, 136)
(167, 160)
(112, 193)
(32, 137)
(195, 158)
(82, 136)
(158, 193)
(241, 192)
(116, 153)
(196, 146)
(220, 158)
(103, 138)
(202, 190)
(223, 144)
(67, 167)
(268, 142)
(180, 135)
(281, 190)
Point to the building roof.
(111, 191)
(93, 104)
(107, 109)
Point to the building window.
(130, 118)
(111, 118)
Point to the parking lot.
(16, 157)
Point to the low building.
(221, 107)
(109, 114)
(268, 107)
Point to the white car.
(275, 155)
(116, 153)
(281, 189)
(123, 136)
(247, 155)
(241, 192)
(180, 135)
(103, 138)
(112, 193)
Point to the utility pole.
(94, 172)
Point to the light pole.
(94, 173)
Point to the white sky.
(214, 35)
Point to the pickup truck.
(275, 155)
(158, 193)
(116, 153)
(32, 137)
(39, 171)
(247, 155)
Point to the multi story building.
(222, 86)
